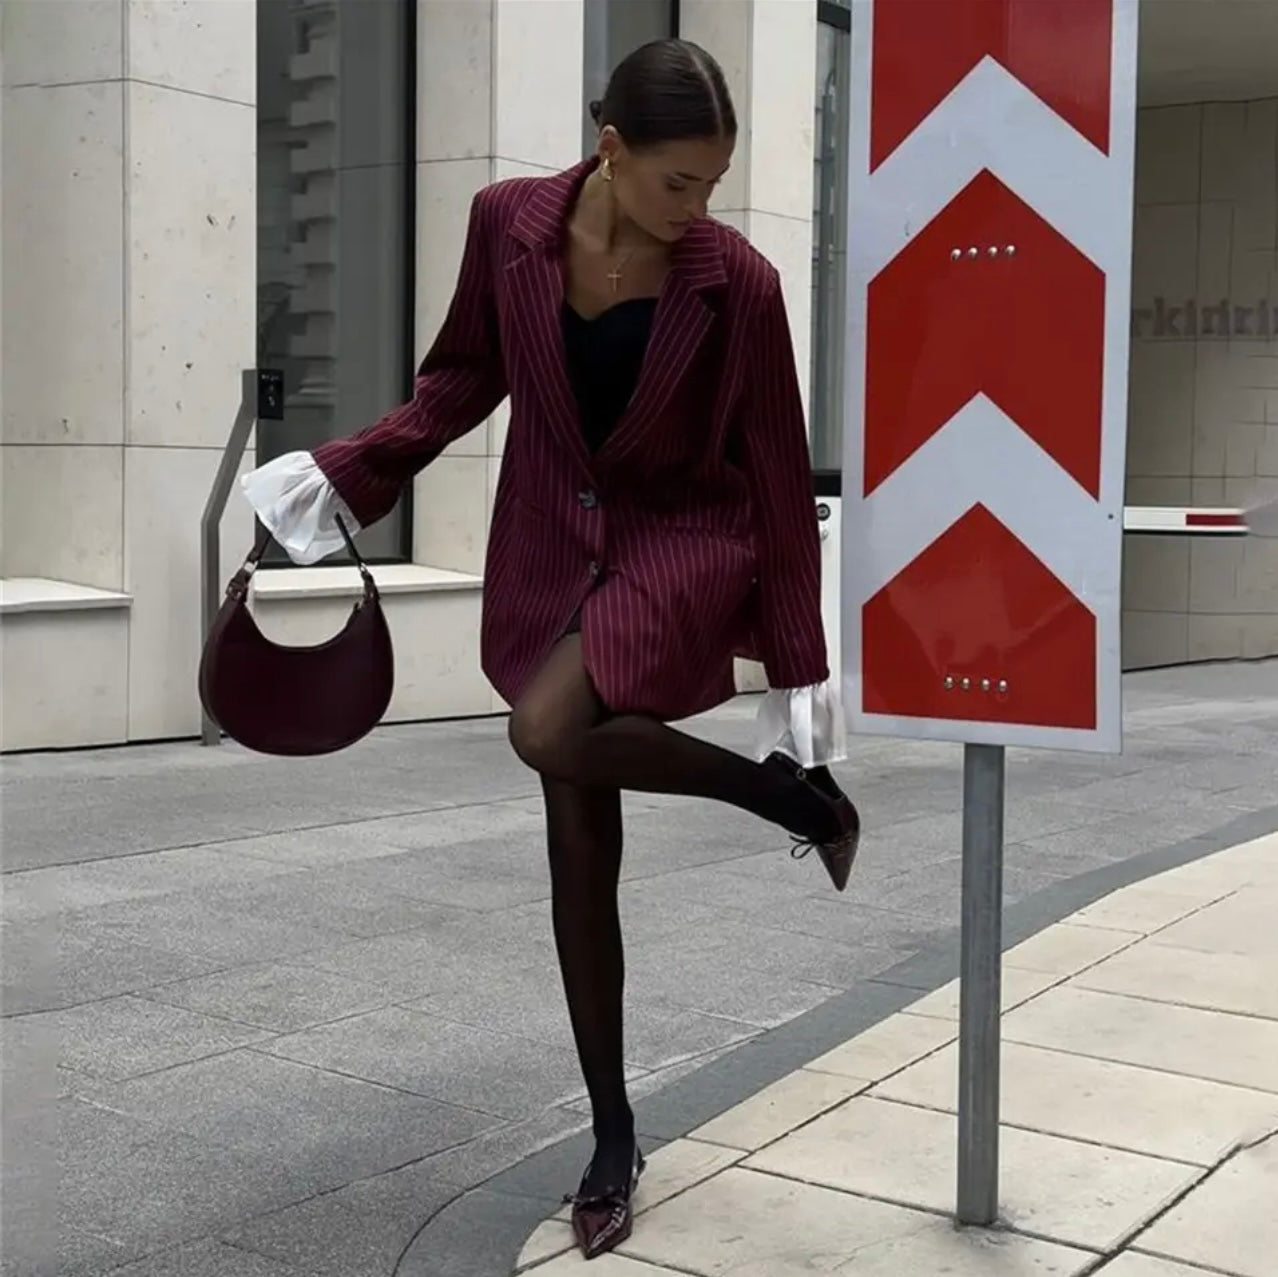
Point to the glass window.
(335, 93)
(614, 28)
(829, 235)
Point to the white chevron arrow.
(1008, 129)
(982, 456)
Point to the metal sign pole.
(980, 989)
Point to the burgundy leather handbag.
(296, 701)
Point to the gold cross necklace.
(614, 275)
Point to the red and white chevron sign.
(990, 231)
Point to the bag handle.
(238, 586)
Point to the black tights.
(586, 758)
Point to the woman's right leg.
(552, 735)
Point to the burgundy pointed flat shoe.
(602, 1221)
(839, 854)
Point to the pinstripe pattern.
(703, 541)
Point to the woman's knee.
(550, 720)
(543, 738)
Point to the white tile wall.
(51, 42)
(725, 31)
(787, 243)
(767, 49)
(454, 66)
(783, 49)
(192, 255)
(71, 690)
(1201, 422)
(63, 512)
(203, 46)
(450, 513)
(445, 189)
(1169, 156)
(538, 77)
(64, 264)
(164, 494)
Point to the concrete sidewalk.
(302, 1018)
(1140, 1117)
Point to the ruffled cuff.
(804, 723)
(299, 506)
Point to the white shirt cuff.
(804, 723)
(298, 505)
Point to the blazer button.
(588, 500)
(594, 569)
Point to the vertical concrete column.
(767, 49)
(130, 175)
(190, 290)
(500, 94)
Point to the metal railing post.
(211, 522)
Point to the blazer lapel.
(535, 299)
(680, 325)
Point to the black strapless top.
(605, 355)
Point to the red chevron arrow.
(976, 605)
(1059, 49)
(1027, 328)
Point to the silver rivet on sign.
(973, 252)
(967, 683)
(949, 682)
(955, 254)
(985, 685)
(1002, 685)
(1010, 250)
(993, 250)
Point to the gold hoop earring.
(606, 169)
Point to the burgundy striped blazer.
(690, 536)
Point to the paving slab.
(1174, 1039)
(125, 1037)
(1101, 1102)
(214, 1259)
(1133, 1264)
(779, 1109)
(891, 1045)
(1067, 948)
(280, 997)
(324, 1130)
(744, 1223)
(1018, 986)
(1077, 1194)
(614, 1265)
(416, 1054)
(1228, 1222)
(1242, 984)
(1236, 924)
(1142, 908)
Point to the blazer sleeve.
(458, 385)
(788, 540)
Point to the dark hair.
(666, 91)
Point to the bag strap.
(238, 586)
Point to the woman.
(654, 517)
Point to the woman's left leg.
(584, 838)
